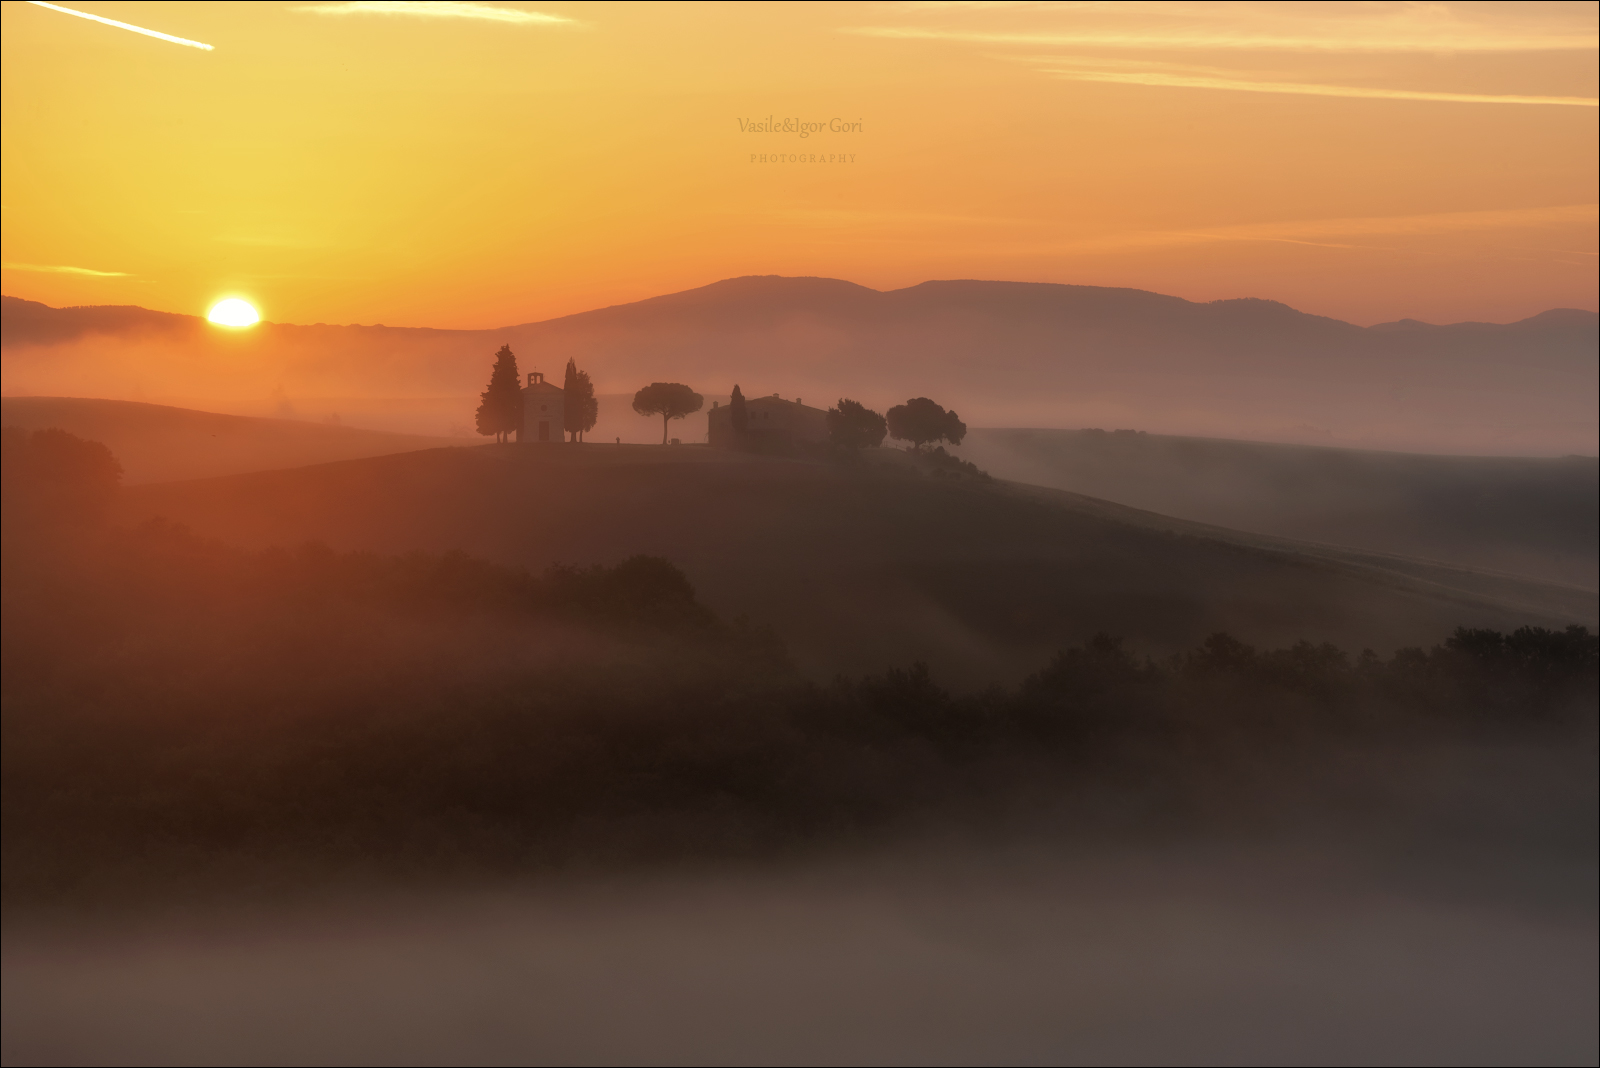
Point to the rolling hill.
(1526, 516)
(158, 443)
(861, 568)
(1001, 353)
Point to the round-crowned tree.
(922, 422)
(853, 425)
(669, 400)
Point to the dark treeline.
(173, 706)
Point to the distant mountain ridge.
(1002, 353)
(27, 322)
(1558, 317)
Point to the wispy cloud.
(435, 9)
(1203, 81)
(1440, 222)
(157, 34)
(1132, 44)
(1325, 39)
(41, 268)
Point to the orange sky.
(339, 162)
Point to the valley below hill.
(240, 780)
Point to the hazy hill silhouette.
(1002, 353)
(1533, 516)
(157, 443)
(1530, 516)
(27, 322)
(861, 569)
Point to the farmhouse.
(772, 425)
(543, 410)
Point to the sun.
(233, 312)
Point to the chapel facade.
(544, 412)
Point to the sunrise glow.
(233, 312)
(941, 530)
(1084, 144)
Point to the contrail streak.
(1183, 81)
(63, 270)
(432, 9)
(123, 25)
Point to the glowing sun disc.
(233, 312)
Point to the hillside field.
(859, 568)
(1532, 516)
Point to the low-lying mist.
(309, 805)
(937, 952)
(1531, 516)
(168, 694)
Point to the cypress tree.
(581, 408)
(500, 412)
(739, 415)
(590, 405)
(571, 418)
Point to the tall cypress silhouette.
(570, 417)
(739, 415)
(581, 408)
(590, 404)
(500, 412)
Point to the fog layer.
(1535, 517)
(1208, 954)
(1000, 353)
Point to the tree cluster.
(500, 411)
(852, 426)
(53, 479)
